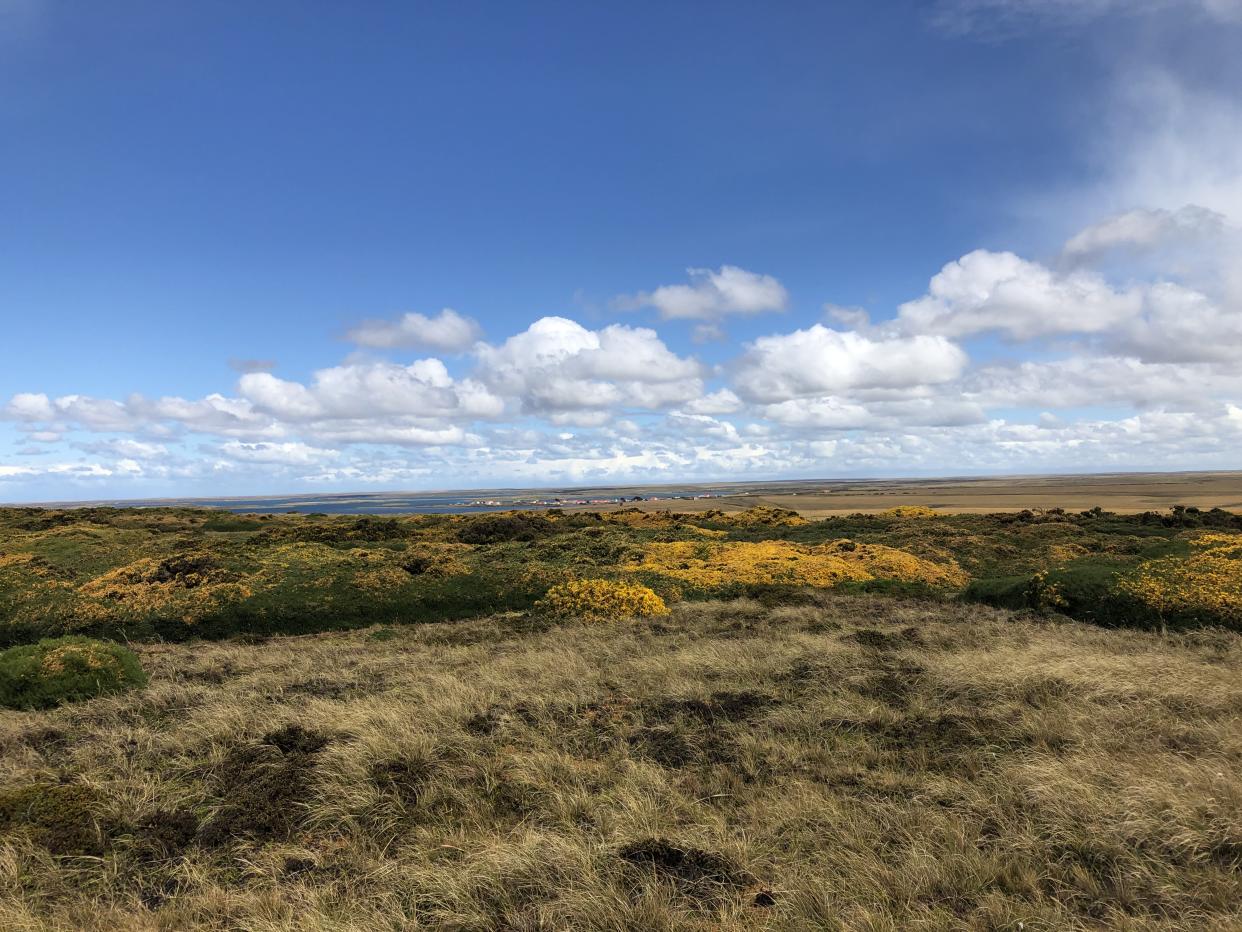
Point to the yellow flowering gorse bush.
(714, 565)
(1064, 553)
(759, 516)
(910, 511)
(147, 588)
(1207, 581)
(601, 600)
(1045, 595)
(386, 571)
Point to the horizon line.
(968, 477)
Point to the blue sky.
(216, 216)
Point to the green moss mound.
(63, 818)
(65, 669)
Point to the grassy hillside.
(852, 762)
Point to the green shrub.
(500, 528)
(1086, 591)
(337, 531)
(900, 588)
(230, 523)
(999, 591)
(65, 669)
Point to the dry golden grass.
(851, 763)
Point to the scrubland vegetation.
(630, 721)
(176, 574)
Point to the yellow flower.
(1064, 553)
(759, 516)
(1208, 581)
(90, 655)
(715, 565)
(381, 580)
(601, 600)
(910, 511)
(188, 591)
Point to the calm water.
(425, 502)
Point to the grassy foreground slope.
(851, 762)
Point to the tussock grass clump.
(263, 787)
(601, 600)
(65, 669)
(701, 875)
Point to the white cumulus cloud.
(423, 388)
(821, 361)
(1144, 229)
(1000, 292)
(447, 332)
(556, 365)
(711, 295)
(723, 401)
(288, 453)
(30, 406)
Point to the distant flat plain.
(1118, 492)
(1125, 493)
